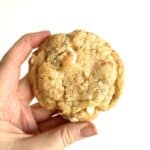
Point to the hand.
(25, 127)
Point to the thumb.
(60, 137)
(72, 132)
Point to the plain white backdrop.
(126, 25)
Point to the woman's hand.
(25, 127)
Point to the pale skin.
(25, 127)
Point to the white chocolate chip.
(74, 119)
(90, 97)
(87, 74)
(32, 60)
(90, 110)
(74, 59)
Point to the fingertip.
(88, 129)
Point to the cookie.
(76, 74)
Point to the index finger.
(22, 48)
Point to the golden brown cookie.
(76, 74)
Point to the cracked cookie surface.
(76, 74)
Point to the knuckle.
(25, 37)
(66, 136)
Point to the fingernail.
(88, 130)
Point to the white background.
(126, 25)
